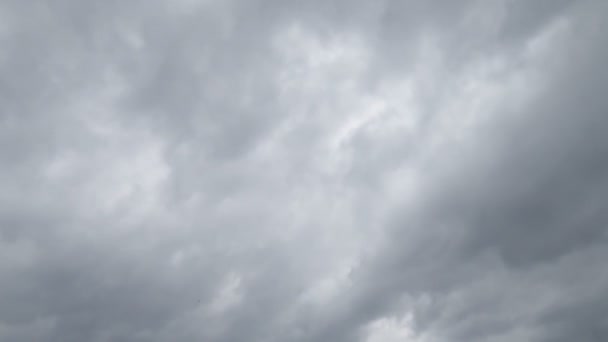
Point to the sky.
(303, 171)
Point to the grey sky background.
(303, 171)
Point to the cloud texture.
(306, 171)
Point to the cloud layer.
(198, 170)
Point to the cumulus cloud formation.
(306, 171)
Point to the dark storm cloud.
(524, 196)
(303, 171)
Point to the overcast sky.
(304, 171)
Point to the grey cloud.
(296, 171)
(526, 190)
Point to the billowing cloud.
(303, 171)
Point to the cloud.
(303, 171)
